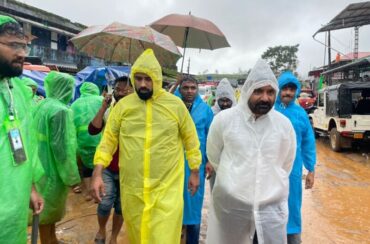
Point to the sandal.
(77, 189)
(99, 241)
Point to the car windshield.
(305, 95)
(202, 91)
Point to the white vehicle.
(343, 113)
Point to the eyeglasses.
(140, 78)
(18, 46)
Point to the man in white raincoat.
(225, 96)
(252, 148)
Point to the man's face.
(121, 89)
(189, 91)
(287, 93)
(224, 103)
(12, 54)
(262, 100)
(143, 86)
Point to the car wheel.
(335, 140)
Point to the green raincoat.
(57, 145)
(84, 111)
(16, 180)
(31, 83)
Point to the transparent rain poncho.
(224, 89)
(151, 135)
(252, 158)
(84, 111)
(16, 180)
(57, 145)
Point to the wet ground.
(336, 210)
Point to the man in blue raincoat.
(289, 87)
(202, 116)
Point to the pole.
(35, 229)
(329, 58)
(184, 45)
(189, 65)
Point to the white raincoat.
(253, 159)
(224, 89)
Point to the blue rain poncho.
(305, 154)
(57, 145)
(84, 111)
(16, 180)
(202, 116)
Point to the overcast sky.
(250, 26)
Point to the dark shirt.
(113, 166)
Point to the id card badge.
(16, 143)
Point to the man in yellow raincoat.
(151, 127)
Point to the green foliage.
(282, 58)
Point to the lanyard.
(11, 110)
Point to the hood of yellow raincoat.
(148, 64)
(89, 89)
(261, 75)
(59, 86)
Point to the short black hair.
(290, 85)
(188, 78)
(12, 29)
(124, 79)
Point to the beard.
(260, 107)
(8, 69)
(144, 93)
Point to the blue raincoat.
(305, 154)
(202, 116)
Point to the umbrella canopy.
(190, 31)
(124, 43)
(202, 33)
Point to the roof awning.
(354, 15)
(361, 62)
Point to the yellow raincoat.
(151, 136)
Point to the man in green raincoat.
(33, 85)
(57, 150)
(19, 165)
(84, 110)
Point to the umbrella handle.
(184, 44)
(35, 229)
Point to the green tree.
(282, 58)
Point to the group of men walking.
(156, 151)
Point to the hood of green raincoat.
(29, 82)
(284, 79)
(59, 86)
(6, 19)
(148, 64)
(261, 75)
(89, 89)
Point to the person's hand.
(36, 202)
(209, 170)
(310, 179)
(193, 182)
(97, 188)
(107, 101)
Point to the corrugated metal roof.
(356, 14)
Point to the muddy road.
(336, 210)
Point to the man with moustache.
(306, 151)
(251, 147)
(19, 163)
(202, 116)
(108, 179)
(151, 128)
